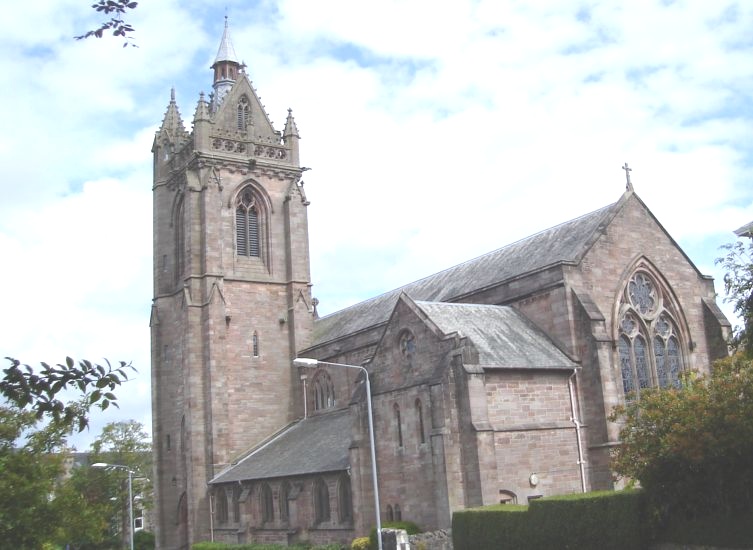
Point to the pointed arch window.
(255, 344)
(344, 499)
(420, 421)
(398, 425)
(180, 241)
(221, 498)
(321, 501)
(324, 391)
(285, 501)
(267, 504)
(648, 345)
(247, 235)
(243, 112)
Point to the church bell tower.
(232, 297)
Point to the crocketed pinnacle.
(290, 128)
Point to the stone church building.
(492, 381)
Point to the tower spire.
(226, 66)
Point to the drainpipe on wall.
(211, 518)
(578, 426)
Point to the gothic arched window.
(247, 235)
(321, 501)
(344, 499)
(243, 113)
(648, 343)
(390, 513)
(284, 501)
(324, 391)
(221, 498)
(180, 242)
(398, 425)
(420, 421)
(267, 504)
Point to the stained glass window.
(648, 346)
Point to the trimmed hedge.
(603, 520)
(258, 546)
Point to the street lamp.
(312, 364)
(130, 491)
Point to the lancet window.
(321, 501)
(344, 499)
(267, 504)
(247, 234)
(243, 113)
(649, 342)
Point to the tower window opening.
(243, 112)
(247, 226)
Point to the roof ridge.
(471, 260)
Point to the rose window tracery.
(648, 345)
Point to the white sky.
(435, 133)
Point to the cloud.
(435, 133)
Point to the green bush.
(257, 546)
(410, 527)
(143, 540)
(600, 520)
(719, 530)
(605, 520)
(501, 526)
(361, 543)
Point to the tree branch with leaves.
(116, 9)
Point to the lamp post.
(312, 364)
(130, 491)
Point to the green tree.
(35, 419)
(738, 285)
(690, 448)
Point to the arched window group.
(324, 391)
(394, 513)
(649, 342)
(247, 235)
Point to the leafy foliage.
(738, 285)
(116, 24)
(691, 448)
(38, 391)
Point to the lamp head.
(306, 362)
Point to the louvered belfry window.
(247, 226)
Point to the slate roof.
(312, 445)
(564, 243)
(503, 337)
(745, 231)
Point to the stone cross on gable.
(629, 185)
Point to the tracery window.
(648, 345)
(321, 501)
(324, 391)
(267, 504)
(247, 237)
(243, 113)
(407, 345)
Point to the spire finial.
(629, 185)
(172, 94)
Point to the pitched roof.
(564, 243)
(745, 231)
(503, 337)
(312, 445)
